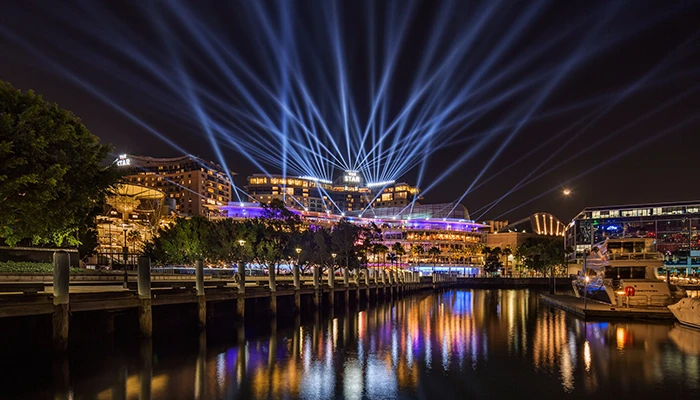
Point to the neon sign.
(351, 176)
(123, 161)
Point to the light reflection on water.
(479, 343)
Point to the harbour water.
(454, 345)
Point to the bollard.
(297, 288)
(367, 295)
(201, 299)
(144, 290)
(346, 282)
(317, 287)
(273, 290)
(331, 285)
(240, 302)
(331, 278)
(61, 309)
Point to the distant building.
(396, 195)
(132, 216)
(308, 194)
(347, 194)
(420, 211)
(674, 226)
(194, 184)
(515, 234)
(495, 225)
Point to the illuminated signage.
(351, 176)
(123, 161)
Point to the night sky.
(608, 100)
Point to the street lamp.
(585, 278)
(125, 249)
(566, 192)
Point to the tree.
(493, 260)
(399, 250)
(543, 254)
(392, 258)
(416, 250)
(345, 236)
(380, 248)
(184, 242)
(51, 177)
(434, 252)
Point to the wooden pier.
(63, 297)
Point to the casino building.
(347, 194)
(193, 184)
(674, 225)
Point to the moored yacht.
(687, 311)
(624, 272)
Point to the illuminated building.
(308, 194)
(132, 215)
(396, 195)
(495, 225)
(674, 225)
(514, 234)
(192, 183)
(459, 240)
(420, 211)
(347, 194)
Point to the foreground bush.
(25, 267)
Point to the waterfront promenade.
(63, 297)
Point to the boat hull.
(687, 311)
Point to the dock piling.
(61, 309)
(240, 302)
(297, 287)
(145, 302)
(201, 299)
(273, 290)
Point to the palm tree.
(379, 248)
(434, 252)
(392, 258)
(398, 249)
(416, 250)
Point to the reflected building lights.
(390, 349)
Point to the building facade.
(673, 225)
(308, 194)
(460, 241)
(193, 184)
(348, 194)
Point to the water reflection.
(453, 345)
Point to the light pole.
(359, 269)
(333, 256)
(241, 262)
(298, 250)
(125, 249)
(585, 278)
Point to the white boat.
(687, 311)
(624, 272)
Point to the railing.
(633, 256)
